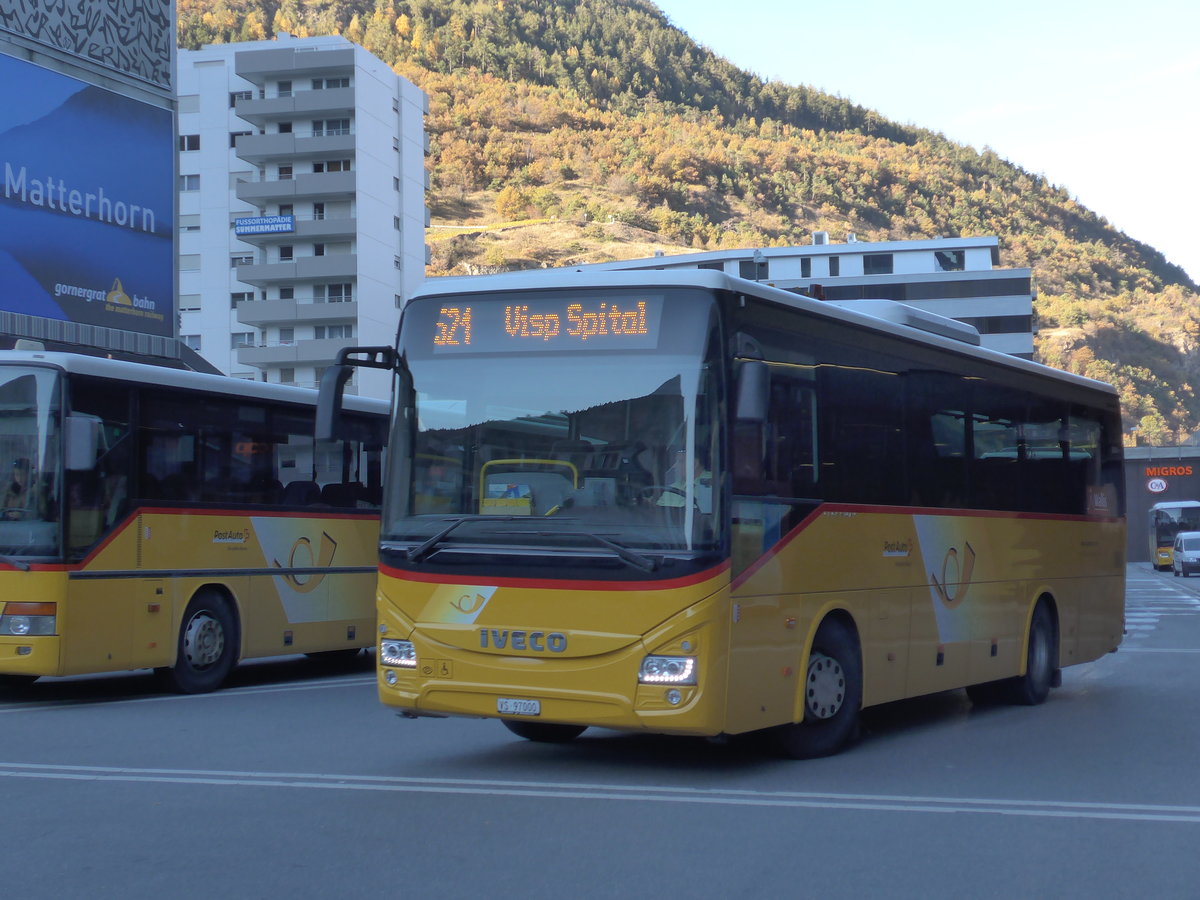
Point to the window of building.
(191, 341)
(287, 376)
(189, 303)
(333, 293)
(285, 89)
(285, 173)
(189, 262)
(396, 222)
(877, 264)
(287, 335)
(332, 165)
(950, 260)
(240, 339)
(713, 266)
(395, 183)
(318, 211)
(287, 292)
(189, 182)
(285, 127)
(341, 332)
(189, 142)
(189, 223)
(806, 267)
(234, 135)
(241, 259)
(286, 209)
(240, 297)
(235, 96)
(835, 265)
(755, 271)
(397, 262)
(318, 249)
(327, 84)
(286, 253)
(330, 127)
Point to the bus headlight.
(668, 670)
(28, 619)
(401, 654)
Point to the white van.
(1186, 553)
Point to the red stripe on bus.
(560, 583)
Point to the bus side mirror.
(329, 401)
(753, 391)
(82, 441)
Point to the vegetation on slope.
(609, 134)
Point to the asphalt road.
(295, 782)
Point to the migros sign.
(1167, 471)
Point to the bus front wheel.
(207, 645)
(832, 695)
(544, 732)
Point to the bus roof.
(145, 373)
(888, 316)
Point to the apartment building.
(958, 278)
(302, 207)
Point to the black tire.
(832, 696)
(1041, 662)
(544, 732)
(207, 646)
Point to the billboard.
(87, 203)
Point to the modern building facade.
(953, 277)
(302, 207)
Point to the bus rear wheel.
(1041, 668)
(832, 696)
(207, 645)
(544, 732)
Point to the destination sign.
(562, 323)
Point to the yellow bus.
(166, 519)
(687, 503)
(1167, 519)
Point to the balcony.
(335, 267)
(335, 102)
(311, 352)
(311, 185)
(261, 148)
(260, 66)
(260, 313)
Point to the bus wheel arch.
(830, 695)
(208, 643)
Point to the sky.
(1100, 97)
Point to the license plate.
(507, 707)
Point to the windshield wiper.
(15, 563)
(419, 552)
(635, 559)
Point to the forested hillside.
(582, 130)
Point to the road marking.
(1136, 812)
(70, 703)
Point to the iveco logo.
(536, 641)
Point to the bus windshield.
(29, 453)
(600, 446)
(1167, 521)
